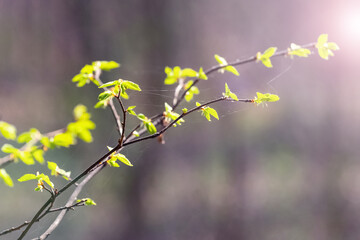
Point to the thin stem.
(78, 204)
(235, 63)
(70, 201)
(10, 158)
(89, 169)
(181, 116)
(111, 103)
(123, 120)
(116, 116)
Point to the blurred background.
(286, 171)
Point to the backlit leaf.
(6, 177)
(27, 177)
(8, 130)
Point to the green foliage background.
(289, 171)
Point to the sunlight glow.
(351, 24)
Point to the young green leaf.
(108, 84)
(80, 112)
(6, 177)
(87, 201)
(188, 72)
(33, 133)
(223, 62)
(123, 159)
(25, 156)
(8, 130)
(105, 95)
(112, 162)
(8, 148)
(131, 111)
(298, 51)
(64, 139)
(229, 94)
(39, 177)
(55, 170)
(27, 177)
(173, 75)
(125, 84)
(168, 108)
(208, 111)
(85, 76)
(191, 92)
(150, 127)
(90, 202)
(201, 74)
(324, 47)
(170, 115)
(38, 154)
(46, 179)
(141, 117)
(266, 97)
(87, 69)
(106, 65)
(265, 57)
(47, 142)
(102, 104)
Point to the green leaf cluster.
(207, 112)
(119, 88)
(86, 74)
(265, 57)
(25, 137)
(265, 97)
(324, 47)
(150, 127)
(41, 178)
(174, 74)
(55, 170)
(130, 110)
(112, 161)
(145, 121)
(170, 115)
(191, 92)
(26, 156)
(296, 50)
(6, 177)
(229, 94)
(7, 130)
(78, 129)
(222, 62)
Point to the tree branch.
(181, 116)
(235, 63)
(89, 169)
(70, 201)
(97, 166)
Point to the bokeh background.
(286, 171)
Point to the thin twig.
(89, 169)
(181, 116)
(111, 103)
(72, 198)
(123, 120)
(116, 116)
(235, 63)
(10, 158)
